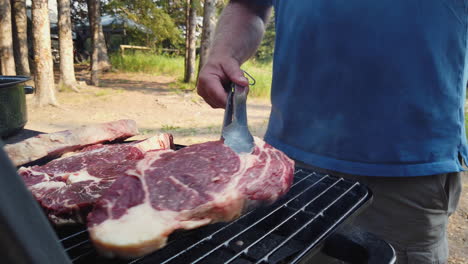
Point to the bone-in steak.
(67, 187)
(185, 189)
(55, 144)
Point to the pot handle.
(28, 89)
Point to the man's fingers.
(217, 96)
(235, 74)
(213, 102)
(212, 91)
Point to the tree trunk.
(95, 21)
(44, 75)
(190, 40)
(20, 37)
(7, 59)
(67, 70)
(104, 63)
(209, 23)
(187, 43)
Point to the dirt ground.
(156, 107)
(147, 99)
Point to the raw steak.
(55, 144)
(185, 189)
(67, 187)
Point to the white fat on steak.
(140, 230)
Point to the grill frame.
(76, 243)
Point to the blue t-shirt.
(371, 87)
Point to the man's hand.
(217, 73)
(237, 37)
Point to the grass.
(466, 124)
(164, 65)
(148, 63)
(262, 74)
(102, 93)
(167, 128)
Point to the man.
(372, 90)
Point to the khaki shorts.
(411, 213)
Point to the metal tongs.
(235, 131)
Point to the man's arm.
(238, 34)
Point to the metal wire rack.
(284, 232)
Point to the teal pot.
(13, 112)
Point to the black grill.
(284, 232)
(303, 226)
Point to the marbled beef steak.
(67, 188)
(57, 143)
(185, 189)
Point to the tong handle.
(228, 111)
(236, 104)
(240, 105)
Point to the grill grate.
(284, 232)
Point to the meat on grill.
(55, 144)
(185, 189)
(66, 188)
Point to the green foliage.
(159, 28)
(466, 124)
(265, 51)
(156, 64)
(261, 71)
(79, 11)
